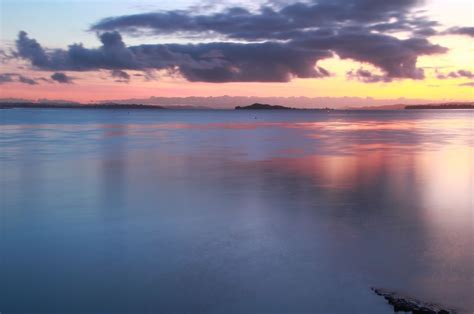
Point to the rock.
(406, 304)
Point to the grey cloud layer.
(14, 77)
(214, 62)
(367, 76)
(284, 23)
(468, 31)
(456, 74)
(120, 76)
(270, 45)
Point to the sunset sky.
(101, 50)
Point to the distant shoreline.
(256, 106)
(77, 106)
(442, 106)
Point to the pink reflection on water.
(330, 125)
(430, 188)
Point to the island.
(258, 106)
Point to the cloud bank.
(273, 44)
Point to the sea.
(222, 211)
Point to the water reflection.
(217, 212)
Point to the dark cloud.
(112, 54)
(468, 84)
(271, 23)
(120, 76)
(273, 44)
(6, 78)
(396, 57)
(367, 76)
(31, 49)
(14, 77)
(212, 62)
(61, 78)
(263, 62)
(456, 74)
(26, 80)
(465, 73)
(468, 31)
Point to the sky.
(89, 51)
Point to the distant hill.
(462, 105)
(9, 104)
(32, 105)
(442, 106)
(258, 106)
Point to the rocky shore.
(407, 304)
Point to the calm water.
(234, 212)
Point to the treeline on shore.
(442, 106)
(11, 105)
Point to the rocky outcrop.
(406, 304)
